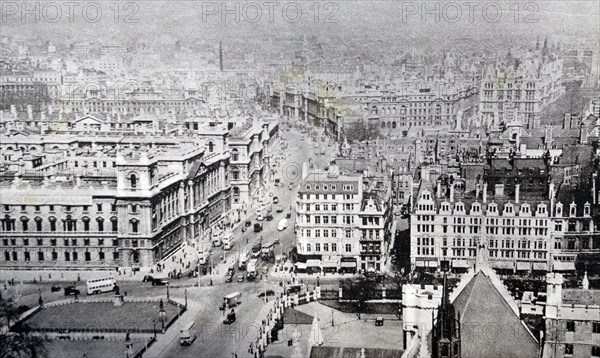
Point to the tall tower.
(220, 56)
(445, 338)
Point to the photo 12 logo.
(470, 11)
(269, 11)
(68, 11)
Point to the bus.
(267, 250)
(228, 241)
(99, 285)
(187, 335)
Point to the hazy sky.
(208, 19)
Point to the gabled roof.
(489, 327)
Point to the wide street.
(216, 339)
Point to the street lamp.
(154, 327)
(162, 315)
(185, 295)
(167, 291)
(332, 318)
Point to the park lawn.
(89, 348)
(89, 316)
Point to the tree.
(17, 342)
(360, 131)
(359, 291)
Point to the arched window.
(115, 223)
(86, 223)
(236, 191)
(133, 180)
(100, 224)
(394, 125)
(235, 155)
(69, 224)
(25, 223)
(38, 223)
(211, 147)
(134, 223)
(52, 221)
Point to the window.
(595, 351)
(570, 326)
(114, 224)
(86, 223)
(115, 255)
(134, 208)
(99, 207)
(40, 242)
(100, 224)
(86, 242)
(100, 242)
(101, 255)
(88, 256)
(75, 256)
(38, 224)
(133, 180)
(27, 256)
(115, 242)
(308, 247)
(317, 247)
(24, 222)
(51, 207)
(54, 255)
(596, 327)
(334, 247)
(52, 242)
(113, 207)
(348, 247)
(40, 256)
(568, 349)
(134, 225)
(67, 256)
(52, 223)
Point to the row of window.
(69, 208)
(67, 256)
(326, 247)
(54, 242)
(595, 350)
(333, 187)
(68, 225)
(325, 196)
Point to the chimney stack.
(517, 192)
(477, 191)
(13, 110)
(438, 193)
(452, 192)
(485, 192)
(29, 111)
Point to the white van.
(216, 239)
(282, 225)
(187, 335)
(228, 241)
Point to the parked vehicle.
(187, 335)
(240, 277)
(99, 285)
(280, 209)
(160, 282)
(71, 291)
(251, 269)
(275, 200)
(54, 288)
(277, 181)
(242, 262)
(288, 215)
(269, 217)
(293, 289)
(147, 278)
(248, 223)
(258, 227)
(290, 187)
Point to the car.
(160, 282)
(279, 209)
(290, 187)
(266, 293)
(54, 288)
(269, 217)
(148, 278)
(240, 277)
(275, 200)
(265, 270)
(270, 193)
(288, 215)
(248, 223)
(71, 291)
(229, 278)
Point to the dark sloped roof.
(489, 327)
(581, 297)
(293, 316)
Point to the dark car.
(275, 200)
(148, 278)
(159, 282)
(54, 288)
(269, 217)
(248, 223)
(258, 227)
(267, 293)
(71, 291)
(288, 215)
(229, 278)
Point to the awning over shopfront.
(503, 265)
(348, 264)
(523, 266)
(330, 263)
(460, 264)
(301, 266)
(540, 266)
(427, 263)
(313, 263)
(563, 265)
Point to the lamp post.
(162, 315)
(167, 291)
(40, 299)
(154, 327)
(185, 295)
(332, 318)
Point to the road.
(214, 338)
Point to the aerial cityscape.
(323, 179)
